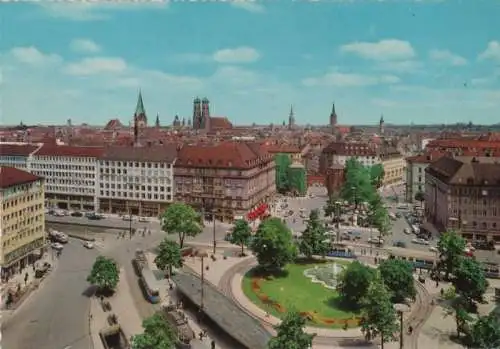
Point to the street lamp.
(400, 309)
(202, 254)
(337, 213)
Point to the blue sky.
(412, 61)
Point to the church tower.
(205, 114)
(157, 123)
(291, 118)
(197, 113)
(381, 125)
(333, 117)
(140, 112)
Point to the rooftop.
(466, 171)
(69, 151)
(10, 176)
(222, 310)
(155, 153)
(9, 149)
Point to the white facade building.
(17, 155)
(136, 180)
(415, 174)
(70, 175)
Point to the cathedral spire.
(333, 108)
(157, 123)
(139, 109)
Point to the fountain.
(325, 275)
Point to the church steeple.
(333, 116)
(381, 124)
(291, 118)
(157, 123)
(139, 109)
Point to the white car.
(433, 249)
(406, 231)
(57, 246)
(420, 241)
(88, 244)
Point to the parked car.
(57, 246)
(88, 244)
(401, 244)
(95, 216)
(76, 214)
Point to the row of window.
(134, 164)
(14, 201)
(65, 167)
(136, 195)
(17, 239)
(71, 189)
(132, 179)
(135, 187)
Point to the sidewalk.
(121, 303)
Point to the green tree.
(157, 334)
(169, 256)
(397, 275)
(333, 207)
(181, 219)
(486, 332)
(458, 308)
(357, 187)
(241, 234)
(379, 315)
(377, 174)
(352, 283)
(273, 244)
(314, 240)
(420, 196)
(470, 281)
(451, 248)
(104, 274)
(283, 162)
(291, 334)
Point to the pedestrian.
(212, 344)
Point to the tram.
(428, 260)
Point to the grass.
(293, 290)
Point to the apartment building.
(463, 194)
(415, 173)
(70, 175)
(136, 180)
(22, 214)
(394, 166)
(466, 147)
(338, 153)
(229, 179)
(17, 155)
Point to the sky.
(427, 61)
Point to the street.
(55, 316)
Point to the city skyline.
(412, 62)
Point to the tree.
(379, 215)
(169, 256)
(397, 275)
(352, 283)
(469, 281)
(357, 187)
(181, 219)
(241, 234)
(283, 162)
(291, 334)
(457, 306)
(273, 244)
(378, 313)
(157, 334)
(333, 207)
(314, 240)
(420, 196)
(451, 248)
(377, 174)
(486, 331)
(104, 274)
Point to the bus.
(149, 285)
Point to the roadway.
(56, 315)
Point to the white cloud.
(235, 76)
(84, 46)
(350, 80)
(447, 57)
(32, 56)
(96, 65)
(492, 51)
(248, 5)
(389, 49)
(402, 67)
(241, 54)
(93, 11)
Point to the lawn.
(297, 291)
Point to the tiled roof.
(155, 153)
(220, 123)
(466, 171)
(10, 176)
(427, 158)
(288, 149)
(230, 155)
(17, 149)
(463, 143)
(69, 151)
(112, 124)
